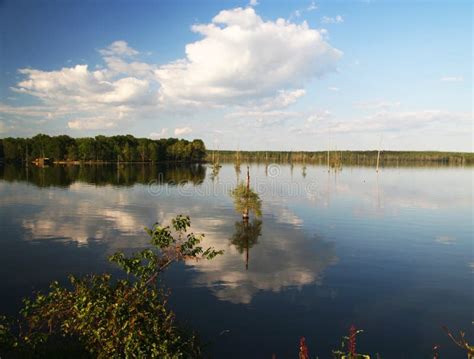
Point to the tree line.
(123, 148)
(345, 157)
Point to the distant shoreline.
(344, 157)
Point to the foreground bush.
(103, 317)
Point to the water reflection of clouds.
(446, 240)
(394, 190)
(78, 214)
(283, 257)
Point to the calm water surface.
(390, 252)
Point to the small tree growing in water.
(246, 200)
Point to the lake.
(390, 252)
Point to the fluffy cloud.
(118, 48)
(240, 61)
(243, 57)
(79, 85)
(332, 20)
(95, 99)
(179, 131)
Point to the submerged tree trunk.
(245, 214)
(246, 225)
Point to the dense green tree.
(142, 149)
(198, 150)
(153, 151)
(101, 148)
(104, 148)
(41, 146)
(58, 146)
(72, 152)
(12, 149)
(86, 147)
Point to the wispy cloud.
(377, 105)
(180, 131)
(312, 6)
(93, 123)
(161, 134)
(332, 20)
(452, 79)
(385, 121)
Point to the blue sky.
(289, 75)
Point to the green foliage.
(246, 200)
(101, 148)
(348, 346)
(103, 317)
(348, 157)
(461, 342)
(246, 234)
(216, 167)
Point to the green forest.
(124, 148)
(127, 148)
(344, 157)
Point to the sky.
(248, 75)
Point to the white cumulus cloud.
(240, 60)
(242, 57)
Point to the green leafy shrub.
(103, 317)
(246, 200)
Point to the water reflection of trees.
(118, 175)
(246, 233)
(284, 257)
(246, 236)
